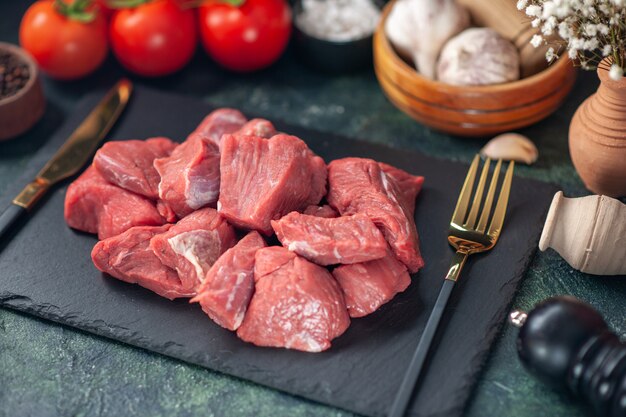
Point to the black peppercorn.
(14, 74)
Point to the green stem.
(189, 4)
(125, 4)
(78, 10)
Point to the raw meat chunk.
(94, 205)
(129, 258)
(264, 179)
(190, 176)
(357, 185)
(278, 256)
(369, 285)
(296, 304)
(228, 286)
(409, 186)
(166, 211)
(321, 211)
(341, 240)
(258, 127)
(129, 164)
(219, 122)
(193, 244)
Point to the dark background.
(52, 370)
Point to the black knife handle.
(9, 216)
(568, 345)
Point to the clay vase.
(597, 137)
(588, 232)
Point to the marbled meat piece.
(192, 245)
(357, 185)
(258, 127)
(409, 186)
(367, 286)
(321, 211)
(296, 304)
(218, 123)
(228, 286)
(340, 240)
(264, 179)
(190, 176)
(94, 205)
(129, 258)
(129, 164)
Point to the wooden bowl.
(22, 110)
(469, 110)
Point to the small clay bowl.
(335, 57)
(20, 111)
(469, 110)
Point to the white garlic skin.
(511, 147)
(478, 56)
(418, 29)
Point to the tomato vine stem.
(79, 10)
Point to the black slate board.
(45, 270)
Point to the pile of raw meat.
(198, 220)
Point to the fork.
(468, 238)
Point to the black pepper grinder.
(567, 344)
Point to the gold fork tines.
(464, 234)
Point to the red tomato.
(248, 37)
(155, 38)
(63, 47)
(104, 8)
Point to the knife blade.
(74, 153)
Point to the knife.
(74, 153)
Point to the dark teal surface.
(51, 370)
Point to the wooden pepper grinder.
(567, 344)
(503, 17)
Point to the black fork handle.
(419, 357)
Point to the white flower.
(536, 40)
(591, 44)
(606, 51)
(577, 43)
(533, 11)
(535, 23)
(546, 30)
(551, 23)
(602, 28)
(521, 4)
(551, 55)
(591, 29)
(549, 8)
(616, 72)
(604, 8)
(565, 31)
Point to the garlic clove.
(511, 147)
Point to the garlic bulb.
(478, 56)
(511, 147)
(419, 28)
